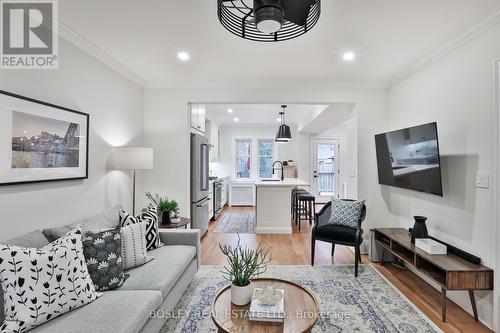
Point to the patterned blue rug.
(232, 223)
(367, 304)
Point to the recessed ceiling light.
(349, 56)
(229, 110)
(236, 120)
(184, 56)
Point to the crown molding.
(267, 84)
(488, 22)
(96, 52)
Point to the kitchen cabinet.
(197, 117)
(213, 135)
(242, 194)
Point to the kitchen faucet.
(282, 173)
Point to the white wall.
(167, 130)
(115, 106)
(347, 134)
(456, 91)
(285, 151)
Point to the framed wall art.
(41, 142)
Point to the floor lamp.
(133, 158)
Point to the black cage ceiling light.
(268, 20)
(284, 134)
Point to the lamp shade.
(284, 134)
(133, 158)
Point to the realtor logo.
(29, 34)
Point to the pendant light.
(284, 133)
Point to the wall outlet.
(482, 180)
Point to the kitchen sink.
(271, 180)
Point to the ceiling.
(261, 114)
(388, 37)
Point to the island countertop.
(288, 182)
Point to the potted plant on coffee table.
(243, 265)
(166, 208)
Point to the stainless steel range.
(218, 185)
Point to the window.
(266, 152)
(243, 158)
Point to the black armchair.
(335, 234)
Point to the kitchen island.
(273, 205)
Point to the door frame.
(496, 187)
(313, 142)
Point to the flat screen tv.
(409, 158)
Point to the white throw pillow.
(134, 251)
(150, 216)
(42, 284)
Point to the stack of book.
(260, 311)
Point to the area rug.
(232, 223)
(369, 303)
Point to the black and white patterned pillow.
(42, 284)
(346, 213)
(150, 216)
(134, 251)
(103, 255)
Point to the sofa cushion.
(162, 273)
(33, 239)
(41, 284)
(106, 220)
(117, 311)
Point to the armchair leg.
(356, 260)
(313, 248)
(333, 248)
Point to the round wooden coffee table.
(301, 310)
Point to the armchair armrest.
(182, 237)
(323, 216)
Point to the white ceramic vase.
(241, 295)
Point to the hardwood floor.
(294, 249)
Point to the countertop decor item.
(41, 142)
(243, 265)
(133, 158)
(419, 228)
(268, 20)
(167, 208)
(430, 246)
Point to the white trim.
(99, 54)
(452, 45)
(178, 84)
(496, 193)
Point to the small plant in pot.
(243, 265)
(166, 208)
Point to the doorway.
(325, 169)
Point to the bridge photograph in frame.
(41, 142)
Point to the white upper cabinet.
(212, 134)
(197, 113)
(214, 141)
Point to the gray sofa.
(155, 286)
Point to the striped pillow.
(150, 215)
(134, 251)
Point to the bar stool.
(295, 191)
(306, 202)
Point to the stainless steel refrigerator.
(199, 182)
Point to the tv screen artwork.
(409, 158)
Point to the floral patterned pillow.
(103, 254)
(42, 284)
